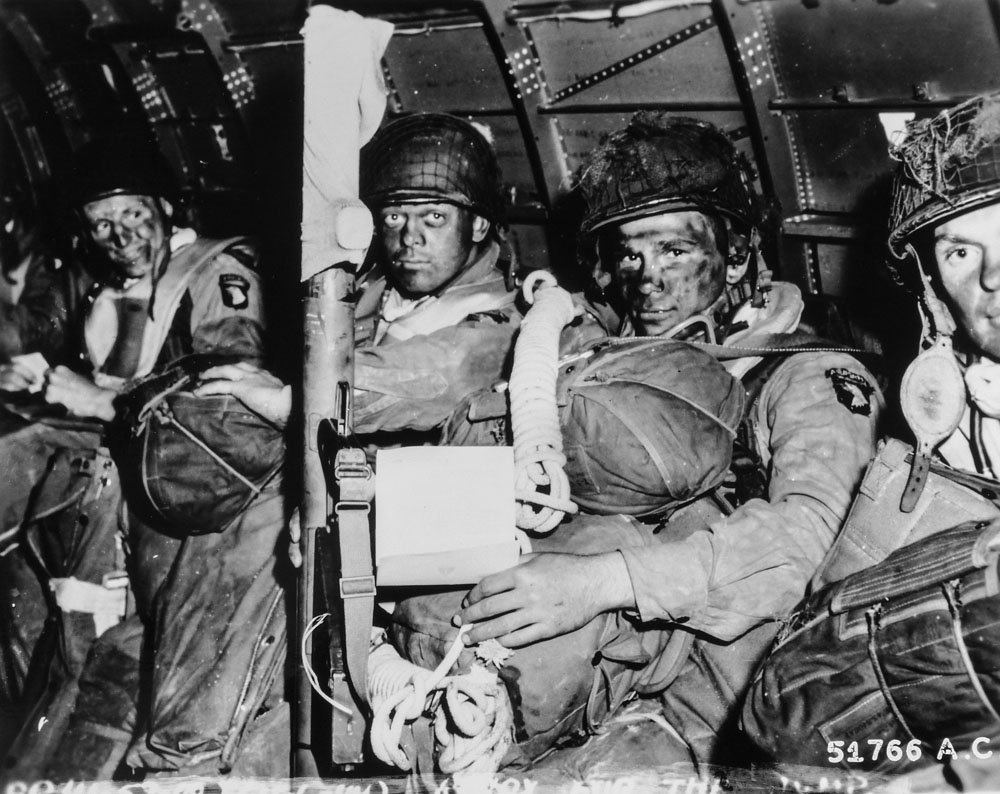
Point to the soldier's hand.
(15, 377)
(544, 596)
(80, 395)
(256, 388)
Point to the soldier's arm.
(754, 565)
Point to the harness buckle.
(357, 587)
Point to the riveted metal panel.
(869, 50)
(838, 161)
(445, 69)
(640, 60)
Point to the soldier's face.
(668, 268)
(427, 245)
(967, 251)
(130, 230)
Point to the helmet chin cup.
(932, 397)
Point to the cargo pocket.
(858, 738)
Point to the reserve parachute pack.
(646, 424)
(191, 464)
(902, 654)
(909, 600)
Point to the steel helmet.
(432, 157)
(660, 163)
(948, 165)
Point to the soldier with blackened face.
(675, 222)
(163, 294)
(914, 569)
(435, 315)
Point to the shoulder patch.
(235, 290)
(853, 390)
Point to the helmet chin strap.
(934, 314)
(755, 283)
(932, 392)
(762, 273)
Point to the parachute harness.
(540, 484)
(473, 722)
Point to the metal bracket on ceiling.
(154, 99)
(525, 70)
(61, 96)
(201, 16)
(636, 58)
(755, 59)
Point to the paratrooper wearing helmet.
(435, 314)
(164, 293)
(671, 213)
(909, 566)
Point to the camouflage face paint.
(130, 230)
(668, 267)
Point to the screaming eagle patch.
(853, 391)
(235, 290)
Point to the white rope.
(398, 690)
(307, 666)
(540, 485)
(478, 731)
(472, 721)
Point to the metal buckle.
(355, 480)
(114, 580)
(351, 504)
(357, 587)
(351, 463)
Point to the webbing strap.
(357, 580)
(986, 487)
(766, 345)
(943, 556)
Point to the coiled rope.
(472, 721)
(540, 485)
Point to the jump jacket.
(412, 370)
(815, 427)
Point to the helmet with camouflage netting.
(432, 157)
(660, 163)
(948, 165)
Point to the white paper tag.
(444, 515)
